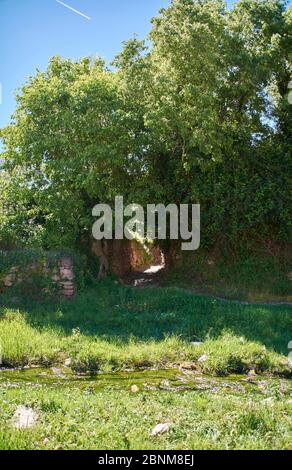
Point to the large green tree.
(199, 116)
(212, 96)
(68, 142)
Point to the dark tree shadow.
(118, 313)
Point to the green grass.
(112, 327)
(70, 418)
(262, 274)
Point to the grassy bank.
(259, 274)
(73, 418)
(113, 327)
(116, 328)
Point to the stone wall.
(61, 277)
(64, 277)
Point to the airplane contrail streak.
(73, 9)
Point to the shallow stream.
(151, 380)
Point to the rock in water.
(68, 362)
(58, 372)
(188, 366)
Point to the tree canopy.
(198, 115)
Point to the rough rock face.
(124, 256)
(119, 256)
(67, 277)
(10, 279)
(14, 276)
(62, 276)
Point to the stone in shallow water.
(67, 362)
(58, 372)
(24, 417)
(188, 366)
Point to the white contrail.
(73, 9)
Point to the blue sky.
(34, 30)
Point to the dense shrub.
(202, 116)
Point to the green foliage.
(216, 135)
(201, 116)
(66, 143)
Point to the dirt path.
(148, 278)
(241, 302)
(151, 278)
